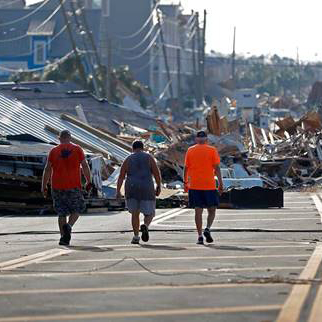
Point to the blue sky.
(263, 26)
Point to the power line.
(26, 16)
(51, 15)
(141, 42)
(20, 70)
(143, 26)
(161, 95)
(146, 49)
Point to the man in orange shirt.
(63, 168)
(201, 165)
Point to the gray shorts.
(146, 207)
(68, 202)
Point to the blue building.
(30, 39)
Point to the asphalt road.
(265, 265)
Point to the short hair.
(137, 145)
(65, 134)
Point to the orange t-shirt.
(200, 162)
(65, 160)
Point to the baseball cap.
(201, 134)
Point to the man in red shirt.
(201, 165)
(63, 169)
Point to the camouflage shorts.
(67, 202)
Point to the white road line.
(32, 259)
(146, 259)
(171, 211)
(214, 228)
(253, 219)
(179, 212)
(137, 288)
(108, 316)
(292, 307)
(318, 205)
(157, 271)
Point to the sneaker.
(200, 240)
(63, 241)
(67, 230)
(145, 233)
(135, 240)
(207, 234)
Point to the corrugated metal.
(17, 118)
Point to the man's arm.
(157, 175)
(218, 174)
(186, 173)
(86, 171)
(121, 178)
(45, 178)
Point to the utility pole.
(199, 89)
(179, 76)
(86, 48)
(109, 85)
(89, 34)
(233, 60)
(298, 73)
(203, 54)
(164, 49)
(79, 64)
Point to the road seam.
(291, 309)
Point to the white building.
(246, 103)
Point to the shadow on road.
(91, 249)
(163, 247)
(222, 247)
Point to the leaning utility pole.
(164, 49)
(109, 83)
(298, 73)
(199, 89)
(79, 64)
(179, 75)
(233, 60)
(203, 63)
(89, 35)
(86, 48)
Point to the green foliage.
(276, 75)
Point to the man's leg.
(136, 222)
(61, 222)
(198, 220)
(148, 219)
(145, 228)
(72, 219)
(211, 216)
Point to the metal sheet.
(17, 118)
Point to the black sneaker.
(200, 240)
(207, 234)
(145, 233)
(67, 229)
(63, 241)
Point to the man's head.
(201, 137)
(64, 136)
(137, 146)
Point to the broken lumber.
(98, 133)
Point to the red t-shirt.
(200, 163)
(65, 160)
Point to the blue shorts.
(203, 198)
